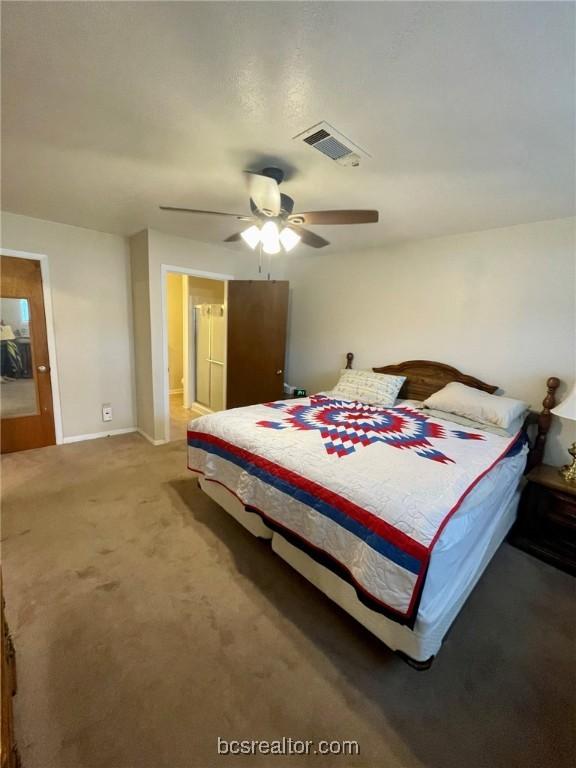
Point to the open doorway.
(196, 341)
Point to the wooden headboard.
(424, 377)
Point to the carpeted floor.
(147, 623)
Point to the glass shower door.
(217, 329)
(202, 329)
(210, 338)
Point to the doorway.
(26, 402)
(196, 345)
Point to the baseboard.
(97, 435)
(176, 391)
(150, 439)
(200, 408)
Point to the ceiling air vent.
(333, 144)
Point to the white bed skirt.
(435, 616)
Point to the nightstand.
(546, 524)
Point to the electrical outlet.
(106, 412)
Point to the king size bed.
(391, 507)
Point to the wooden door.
(257, 317)
(27, 416)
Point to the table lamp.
(567, 410)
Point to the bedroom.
(147, 623)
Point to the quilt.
(365, 490)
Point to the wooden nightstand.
(546, 524)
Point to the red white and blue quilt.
(365, 490)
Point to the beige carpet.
(147, 623)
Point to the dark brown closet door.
(27, 416)
(257, 317)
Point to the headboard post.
(349, 358)
(544, 420)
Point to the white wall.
(144, 398)
(92, 318)
(498, 304)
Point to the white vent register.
(333, 144)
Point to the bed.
(393, 514)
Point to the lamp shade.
(567, 408)
(289, 239)
(251, 236)
(269, 238)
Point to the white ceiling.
(112, 108)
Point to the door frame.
(49, 318)
(164, 270)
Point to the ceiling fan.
(273, 221)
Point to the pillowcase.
(474, 404)
(512, 430)
(367, 387)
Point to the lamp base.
(569, 471)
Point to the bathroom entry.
(224, 344)
(196, 330)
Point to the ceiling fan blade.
(264, 192)
(309, 238)
(334, 217)
(207, 213)
(233, 238)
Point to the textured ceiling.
(112, 108)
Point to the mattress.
(422, 642)
(489, 507)
(365, 498)
(455, 567)
(461, 546)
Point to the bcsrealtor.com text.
(287, 746)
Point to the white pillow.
(515, 426)
(367, 387)
(477, 405)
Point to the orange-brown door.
(26, 405)
(257, 317)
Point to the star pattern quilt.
(365, 490)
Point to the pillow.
(474, 404)
(512, 430)
(367, 387)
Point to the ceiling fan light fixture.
(270, 239)
(289, 239)
(251, 236)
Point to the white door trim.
(185, 345)
(164, 270)
(49, 317)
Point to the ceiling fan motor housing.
(273, 173)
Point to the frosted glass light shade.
(567, 408)
(269, 237)
(251, 236)
(289, 239)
